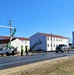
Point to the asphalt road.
(12, 61)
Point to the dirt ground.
(59, 66)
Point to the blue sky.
(31, 16)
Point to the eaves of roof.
(20, 38)
(52, 35)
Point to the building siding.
(38, 38)
(46, 41)
(55, 42)
(18, 43)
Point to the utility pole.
(10, 23)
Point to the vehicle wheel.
(68, 50)
(7, 54)
(12, 52)
(56, 51)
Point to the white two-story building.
(46, 42)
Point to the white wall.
(26, 43)
(36, 38)
(55, 42)
(18, 43)
(46, 41)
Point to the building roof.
(8, 37)
(4, 41)
(20, 38)
(52, 35)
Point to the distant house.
(16, 42)
(46, 42)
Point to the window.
(51, 39)
(54, 39)
(48, 45)
(61, 39)
(54, 45)
(48, 38)
(51, 45)
(25, 42)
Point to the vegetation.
(60, 68)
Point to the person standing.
(21, 50)
(26, 51)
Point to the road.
(12, 61)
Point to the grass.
(64, 68)
(53, 67)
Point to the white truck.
(8, 49)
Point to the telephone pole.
(10, 23)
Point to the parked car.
(62, 48)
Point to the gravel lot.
(48, 67)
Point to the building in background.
(73, 39)
(46, 42)
(16, 42)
